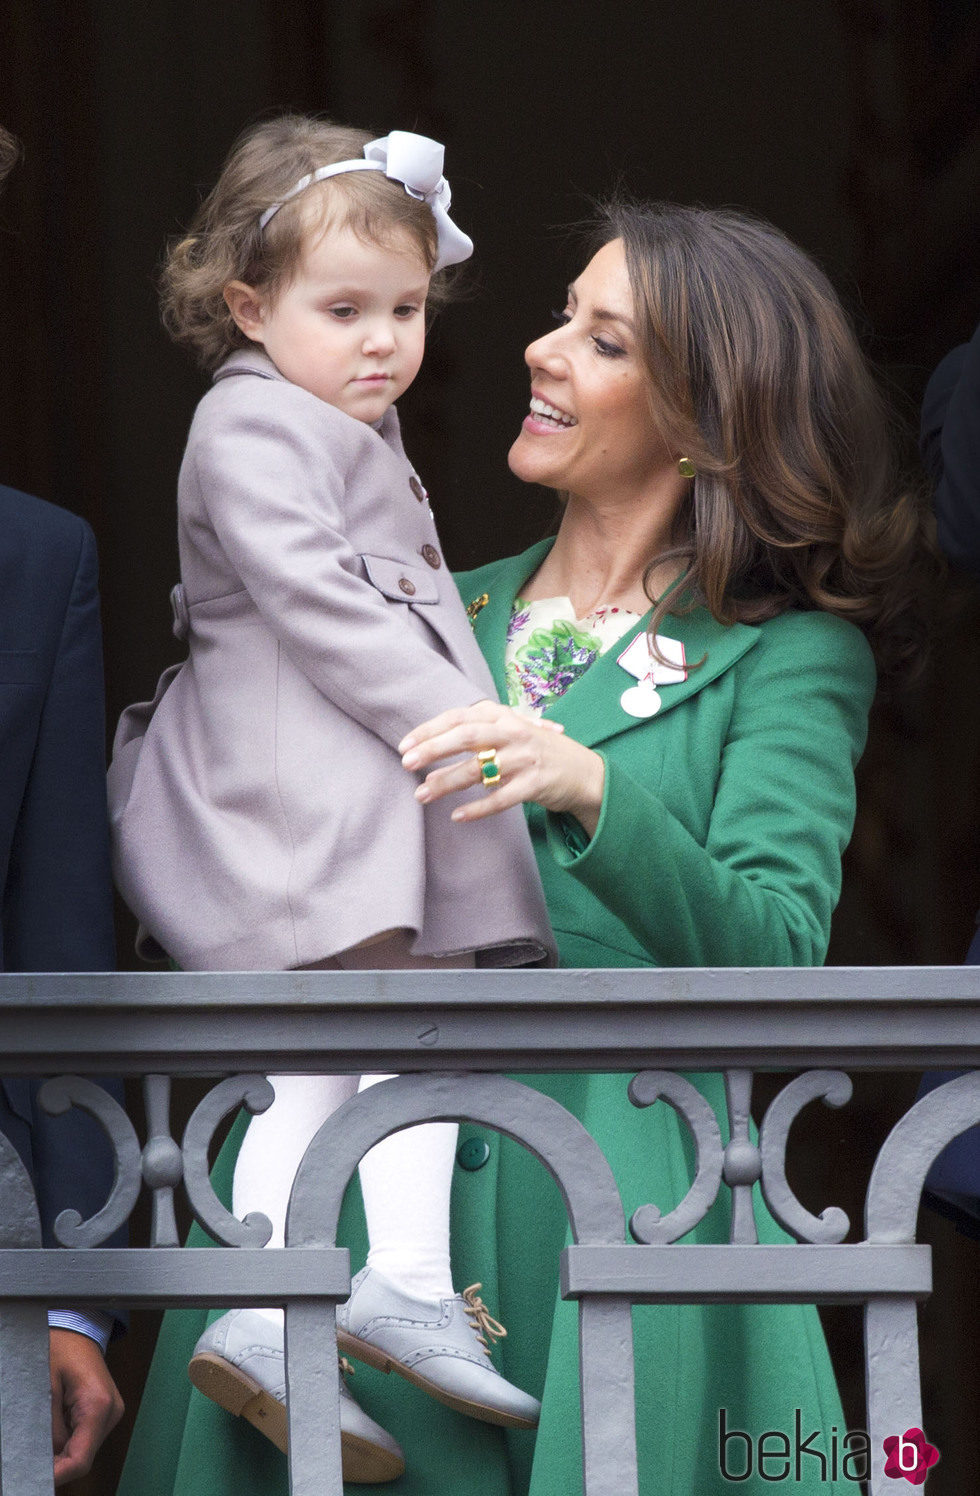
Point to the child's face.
(350, 326)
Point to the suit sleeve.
(950, 446)
(761, 889)
(58, 904)
(276, 503)
(58, 900)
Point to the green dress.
(707, 853)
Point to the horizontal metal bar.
(157, 1277)
(848, 984)
(851, 1273)
(224, 1276)
(766, 1018)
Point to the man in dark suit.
(949, 441)
(56, 886)
(950, 445)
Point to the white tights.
(405, 1180)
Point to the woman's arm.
(762, 888)
(759, 888)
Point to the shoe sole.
(363, 1463)
(371, 1355)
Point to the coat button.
(472, 1154)
(417, 489)
(430, 554)
(406, 586)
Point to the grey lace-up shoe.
(239, 1363)
(439, 1346)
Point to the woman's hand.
(536, 762)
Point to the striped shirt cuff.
(96, 1324)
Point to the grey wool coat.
(261, 818)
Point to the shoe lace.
(480, 1317)
(346, 1369)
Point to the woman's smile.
(545, 417)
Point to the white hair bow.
(416, 162)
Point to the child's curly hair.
(226, 243)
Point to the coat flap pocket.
(399, 581)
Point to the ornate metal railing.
(460, 1029)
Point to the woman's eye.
(607, 349)
(560, 317)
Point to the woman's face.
(589, 430)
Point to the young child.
(261, 816)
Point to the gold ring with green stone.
(489, 767)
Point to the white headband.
(416, 162)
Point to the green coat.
(719, 844)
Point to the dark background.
(853, 124)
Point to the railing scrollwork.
(255, 1094)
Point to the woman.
(723, 457)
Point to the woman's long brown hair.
(757, 376)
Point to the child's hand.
(535, 759)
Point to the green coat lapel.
(591, 710)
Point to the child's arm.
(284, 480)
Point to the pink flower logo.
(909, 1456)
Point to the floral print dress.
(548, 648)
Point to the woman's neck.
(600, 557)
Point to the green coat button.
(472, 1154)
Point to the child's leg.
(237, 1363)
(406, 1180)
(274, 1144)
(402, 1313)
